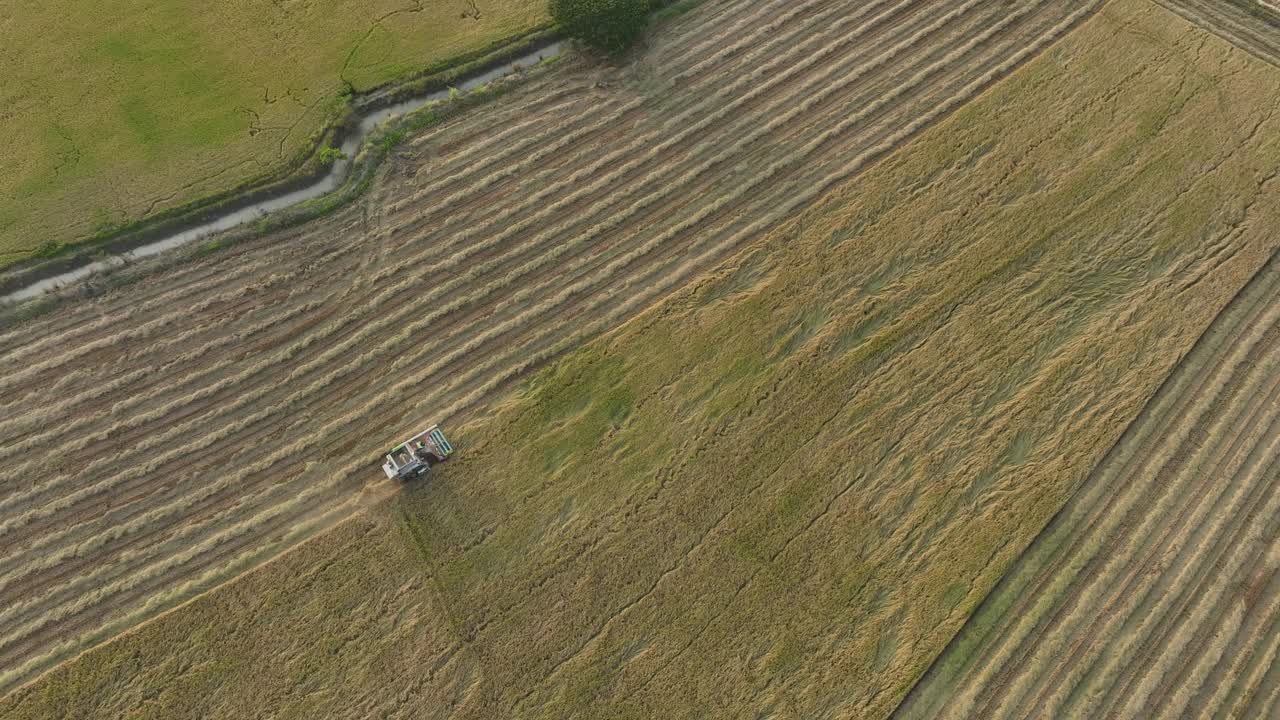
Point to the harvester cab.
(415, 456)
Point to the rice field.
(118, 110)
(801, 409)
(1154, 592)
(179, 431)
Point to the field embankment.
(116, 111)
(784, 489)
(180, 430)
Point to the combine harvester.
(415, 456)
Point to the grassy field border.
(377, 147)
(305, 170)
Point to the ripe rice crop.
(499, 241)
(799, 412)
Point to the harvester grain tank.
(415, 456)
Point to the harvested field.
(779, 492)
(1253, 25)
(1156, 591)
(209, 417)
(116, 110)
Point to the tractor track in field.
(233, 398)
(1135, 600)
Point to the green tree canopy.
(609, 25)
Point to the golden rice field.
(802, 410)
(1154, 593)
(209, 417)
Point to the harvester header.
(415, 456)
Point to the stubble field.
(1252, 25)
(712, 510)
(1154, 592)
(209, 417)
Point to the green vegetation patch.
(123, 109)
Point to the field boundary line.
(1142, 418)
